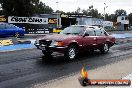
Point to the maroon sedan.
(75, 39)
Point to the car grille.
(44, 42)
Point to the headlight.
(60, 44)
(56, 43)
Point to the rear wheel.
(71, 52)
(105, 48)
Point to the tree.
(100, 16)
(130, 18)
(92, 12)
(24, 7)
(41, 8)
(58, 11)
(130, 15)
(78, 10)
(120, 12)
(16, 7)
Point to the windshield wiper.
(71, 33)
(75, 33)
(67, 33)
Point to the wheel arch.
(74, 44)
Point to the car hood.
(57, 37)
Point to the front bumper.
(51, 48)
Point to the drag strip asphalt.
(26, 68)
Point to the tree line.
(31, 7)
(91, 11)
(23, 7)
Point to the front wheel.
(105, 48)
(71, 53)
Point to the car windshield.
(10, 26)
(73, 30)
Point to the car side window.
(90, 32)
(103, 33)
(99, 32)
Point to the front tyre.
(71, 52)
(105, 48)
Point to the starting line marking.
(6, 42)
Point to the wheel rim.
(106, 48)
(72, 53)
(17, 35)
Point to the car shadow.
(60, 59)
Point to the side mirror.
(85, 35)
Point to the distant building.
(48, 23)
(54, 23)
(90, 21)
(107, 23)
(123, 23)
